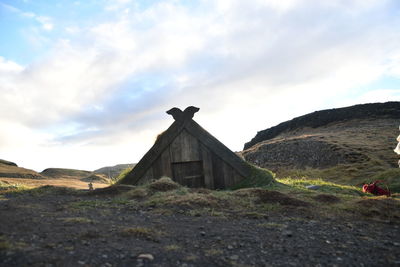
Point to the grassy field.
(257, 195)
(167, 197)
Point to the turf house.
(190, 156)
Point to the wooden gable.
(190, 156)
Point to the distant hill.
(113, 171)
(64, 173)
(347, 144)
(6, 162)
(390, 110)
(11, 170)
(99, 178)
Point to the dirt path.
(63, 229)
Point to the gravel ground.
(69, 230)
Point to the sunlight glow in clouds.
(86, 84)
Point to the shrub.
(163, 184)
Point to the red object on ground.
(375, 189)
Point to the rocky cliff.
(351, 142)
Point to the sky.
(85, 84)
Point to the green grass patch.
(163, 184)
(273, 225)
(4, 244)
(113, 203)
(391, 177)
(11, 188)
(172, 247)
(355, 174)
(213, 252)
(252, 215)
(91, 204)
(122, 175)
(76, 220)
(142, 233)
(187, 201)
(137, 193)
(191, 257)
(323, 186)
(53, 190)
(121, 201)
(259, 177)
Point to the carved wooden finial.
(180, 115)
(188, 113)
(176, 113)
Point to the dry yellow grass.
(62, 182)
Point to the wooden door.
(188, 173)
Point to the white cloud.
(248, 67)
(46, 22)
(72, 29)
(8, 67)
(279, 5)
(113, 5)
(60, 85)
(373, 96)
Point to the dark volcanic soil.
(60, 229)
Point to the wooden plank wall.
(224, 175)
(147, 177)
(184, 148)
(206, 156)
(189, 173)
